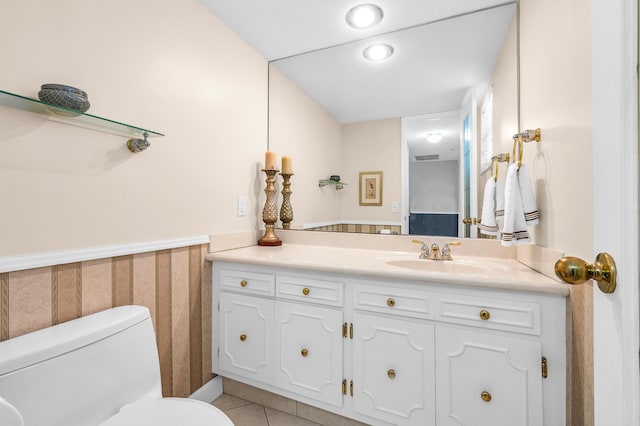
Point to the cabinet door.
(246, 336)
(309, 351)
(393, 370)
(487, 379)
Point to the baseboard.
(209, 391)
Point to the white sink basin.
(460, 265)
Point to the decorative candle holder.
(269, 213)
(286, 211)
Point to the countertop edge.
(550, 288)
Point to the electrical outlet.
(394, 207)
(242, 206)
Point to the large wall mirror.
(424, 118)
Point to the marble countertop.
(497, 273)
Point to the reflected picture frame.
(370, 188)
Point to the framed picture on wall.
(370, 188)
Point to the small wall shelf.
(75, 118)
(324, 182)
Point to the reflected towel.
(531, 215)
(500, 199)
(488, 224)
(514, 231)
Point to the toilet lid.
(168, 412)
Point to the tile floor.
(246, 413)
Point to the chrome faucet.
(435, 253)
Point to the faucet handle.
(424, 251)
(446, 250)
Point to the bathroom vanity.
(390, 339)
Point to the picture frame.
(370, 188)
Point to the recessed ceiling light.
(434, 137)
(364, 16)
(377, 52)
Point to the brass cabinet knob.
(305, 291)
(243, 337)
(243, 283)
(304, 352)
(485, 315)
(486, 396)
(576, 271)
(391, 303)
(391, 373)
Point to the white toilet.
(102, 369)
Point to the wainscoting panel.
(174, 284)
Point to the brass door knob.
(391, 374)
(391, 303)
(576, 271)
(486, 396)
(470, 220)
(304, 352)
(305, 291)
(485, 315)
(243, 337)
(243, 283)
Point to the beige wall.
(372, 146)
(556, 96)
(168, 65)
(299, 128)
(320, 146)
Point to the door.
(615, 195)
(468, 227)
(309, 351)
(485, 379)
(393, 370)
(246, 325)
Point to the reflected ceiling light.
(377, 52)
(434, 137)
(364, 16)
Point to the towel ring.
(520, 143)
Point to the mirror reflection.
(420, 124)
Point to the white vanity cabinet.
(388, 351)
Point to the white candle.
(270, 160)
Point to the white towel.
(514, 231)
(488, 224)
(531, 215)
(500, 199)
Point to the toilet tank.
(81, 372)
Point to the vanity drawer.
(498, 314)
(396, 301)
(310, 290)
(247, 282)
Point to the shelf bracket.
(138, 145)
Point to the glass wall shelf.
(76, 118)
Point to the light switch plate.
(394, 207)
(242, 206)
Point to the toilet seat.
(168, 412)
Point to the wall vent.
(427, 157)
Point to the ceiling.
(282, 28)
(433, 69)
